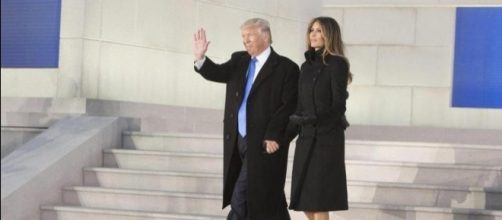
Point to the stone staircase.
(179, 176)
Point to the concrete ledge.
(425, 134)
(161, 118)
(44, 105)
(13, 137)
(43, 112)
(36, 172)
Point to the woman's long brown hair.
(333, 44)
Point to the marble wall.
(402, 60)
(141, 51)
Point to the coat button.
(227, 137)
(231, 115)
(236, 94)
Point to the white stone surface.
(377, 2)
(174, 143)
(13, 137)
(29, 82)
(43, 105)
(491, 118)
(91, 68)
(134, 74)
(289, 38)
(400, 3)
(432, 107)
(268, 7)
(153, 201)
(166, 24)
(69, 213)
(435, 26)
(363, 64)
(151, 180)
(34, 173)
(336, 13)
(72, 18)
(472, 2)
(388, 105)
(223, 30)
(191, 89)
(299, 10)
(93, 19)
(388, 26)
(141, 51)
(119, 21)
(414, 66)
(152, 160)
(159, 178)
(70, 68)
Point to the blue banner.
(477, 79)
(30, 33)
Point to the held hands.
(270, 146)
(200, 44)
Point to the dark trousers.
(239, 196)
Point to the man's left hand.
(271, 146)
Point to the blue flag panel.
(30, 33)
(477, 79)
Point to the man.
(261, 93)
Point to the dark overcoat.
(319, 180)
(271, 100)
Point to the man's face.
(254, 40)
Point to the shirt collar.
(263, 56)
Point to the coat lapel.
(242, 68)
(266, 71)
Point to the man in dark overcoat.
(261, 93)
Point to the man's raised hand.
(200, 44)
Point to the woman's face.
(315, 36)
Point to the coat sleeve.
(276, 129)
(292, 129)
(217, 72)
(339, 72)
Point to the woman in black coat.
(319, 181)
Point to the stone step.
(355, 149)
(424, 152)
(366, 192)
(79, 213)
(144, 200)
(153, 180)
(460, 175)
(174, 142)
(357, 211)
(425, 173)
(167, 161)
(359, 191)
(420, 195)
(365, 211)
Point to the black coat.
(271, 100)
(319, 180)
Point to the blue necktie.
(242, 109)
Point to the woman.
(319, 182)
